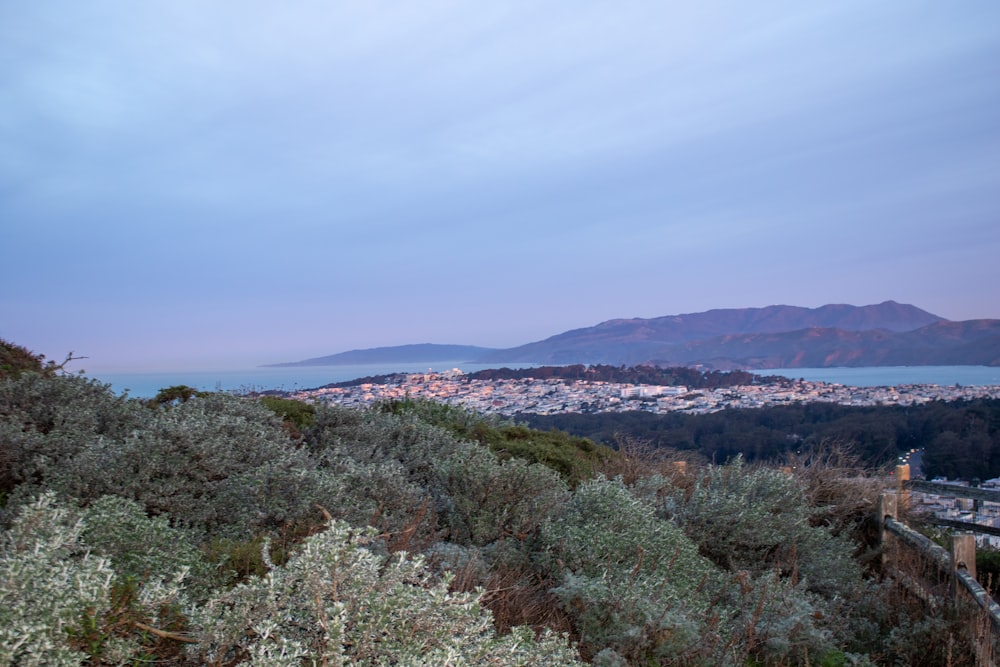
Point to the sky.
(189, 184)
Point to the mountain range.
(885, 334)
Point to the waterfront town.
(552, 396)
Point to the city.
(552, 396)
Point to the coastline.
(147, 384)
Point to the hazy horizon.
(211, 365)
(232, 184)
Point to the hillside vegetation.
(212, 529)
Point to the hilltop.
(885, 334)
(691, 338)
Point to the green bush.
(179, 393)
(16, 360)
(575, 459)
(297, 415)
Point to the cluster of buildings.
(551, 396)
(956, 507)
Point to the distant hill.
(397, 354)
(943, 343)
(631, 341)
(885, 334)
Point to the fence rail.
(950, 489)
(946, 563)
(965, 525)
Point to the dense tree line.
(654, 375)
(648, 374)
(961, 439)
(368, 379)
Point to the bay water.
(147, 384)
(292, 378)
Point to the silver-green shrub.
(46, 422)
(54, 591)
(756, 519)
(217, 463)
(338, 601)
(378, 493)
(68, 404)
(493, 499)
(789, 580)
(144, 549)
(770, 619)
(383, 468)
(372, 437)
(634, 583)
(48, 582)
(408, 477)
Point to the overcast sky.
(190, 183)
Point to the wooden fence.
(957, 565)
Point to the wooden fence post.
(963, 556)
(902, 477)
(963, 551)
(888, 507)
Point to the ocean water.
(891, 376)
(147, 384)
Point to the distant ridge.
(974, 342)
(402, 354)
(638, 340)
(885, 334)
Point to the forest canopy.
(960, 439)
